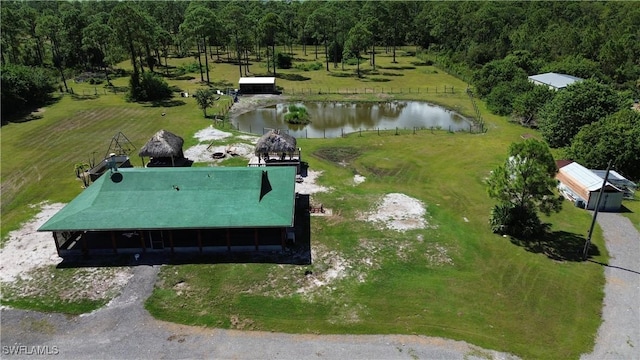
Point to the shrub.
(152, 88)
(314, 66)
(517, 221)
(297, 115)
(284, 61)
(24, 87)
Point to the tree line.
(600, 39)
(497, 44)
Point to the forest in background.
(493, 46)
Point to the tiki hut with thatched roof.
(276, 145)
(164, 150)
(276, 148)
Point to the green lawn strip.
(633, 213)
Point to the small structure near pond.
(257, 85)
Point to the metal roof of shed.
(558, 81)
(257, 80)
(582, 180)
(182, 198)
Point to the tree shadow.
(84, 97)
(559, 245)
(29, 114)
(375, 79)
(292, 77)
(166, 103)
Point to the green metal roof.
(182, 198)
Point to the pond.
(333, 119)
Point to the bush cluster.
(151, 88)
(24, 87)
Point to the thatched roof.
(276, 142)
(163, 144)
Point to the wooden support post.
(283, 238)
(228, 240)
(255, 237)
(113, 242)
(55, 239)
(85, 248)
(200, 240)
(171, 241)
(144, 246)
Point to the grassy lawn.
(453, 279)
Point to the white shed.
(554, 81)
(581, 185)
(257, 85)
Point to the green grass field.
(454, 279)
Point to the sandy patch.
(308, 184)
(248, 103)
(332, 267)
(202, 153)
(199, 153)
(399, 212)
(358, 179)
(210, 134)
(252, 139)
(28, 267)
(27, 249)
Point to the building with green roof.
(179, 209)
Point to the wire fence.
(345, 132)
(373, 90)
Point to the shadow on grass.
(298, 256)
(29, 114)
(559, 245)
(615, 267)
(84, 97)
(292, 77)
(378, 79)
(166, 103)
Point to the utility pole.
(585, 251)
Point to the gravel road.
(619, 334)
(124, 329)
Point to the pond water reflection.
(332, 119)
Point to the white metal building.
(581, 186)
(554, 81)
(257, 85)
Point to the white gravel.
(308, 184)
(399, 212)
(26, 249)
(358, 179)
(210, 134)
